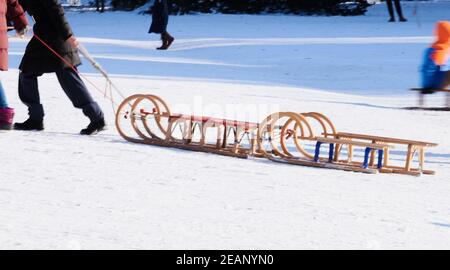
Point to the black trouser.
(72, 85)
(398, 7)
(446, 80)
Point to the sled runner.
(286, 137)
(421, 99)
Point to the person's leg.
(391, 10)
(398, 7)
(167, 40)
(77, 92)
(446, 85)
(3, 102)
(29, 95)
(163, 42)
(446, 80)
(6, 114)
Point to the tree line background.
(306, 7)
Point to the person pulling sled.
(53, 32)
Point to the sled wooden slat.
(401, 170)
(203, 119)
(354, 143)
(381, 139)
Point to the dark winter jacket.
(10, 10)
(51, 26)
(160, 17)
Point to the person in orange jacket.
(435, 68)
(10, 11)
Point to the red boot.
(6, 118)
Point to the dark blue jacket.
(160, 17)
(52, 27)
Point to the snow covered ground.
(60, 190)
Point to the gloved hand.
(73, 41)
(21, 33)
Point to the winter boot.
(29, 125)
(167, 40)
(6, 118)
(94, 127)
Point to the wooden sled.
(421, 99)
(147, 119)
(284, 137)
